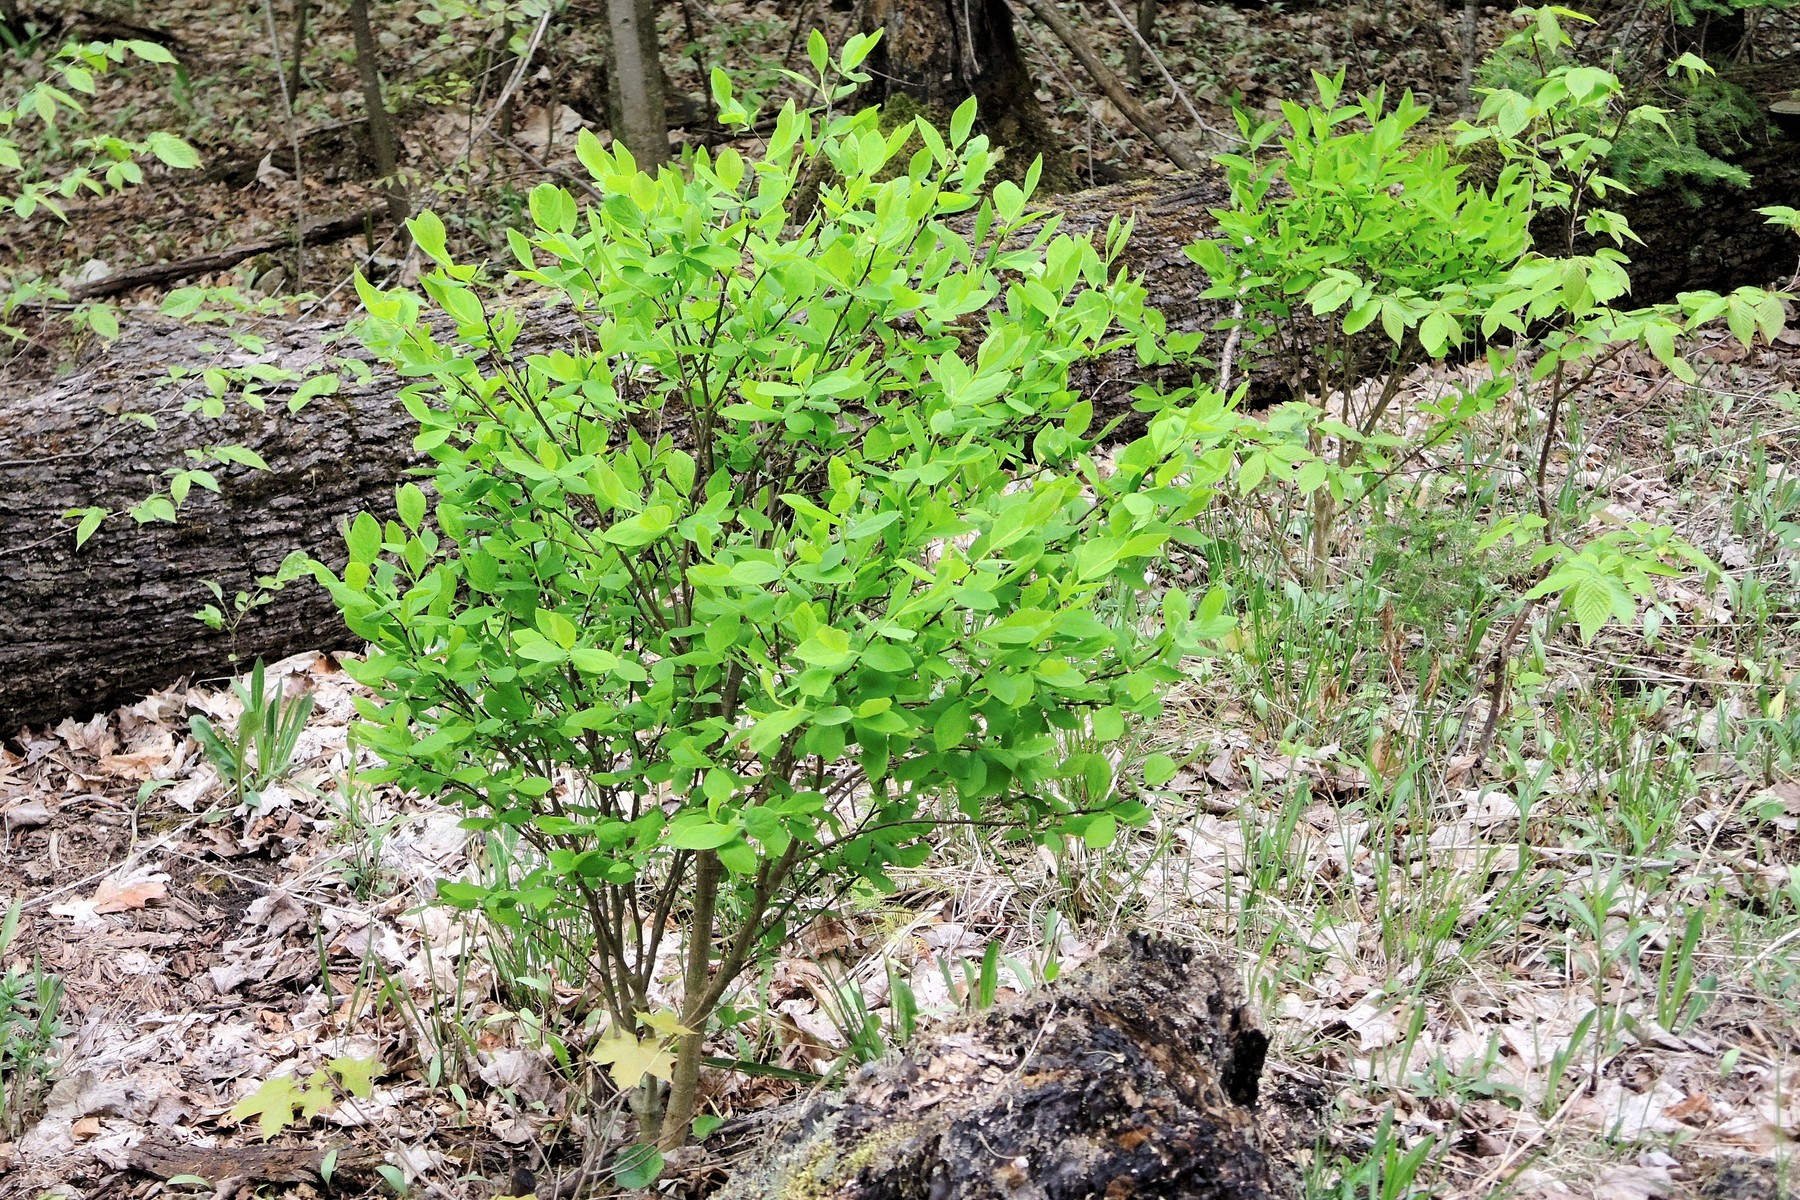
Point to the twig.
(287, 116)
(549, 169)
(1074, 92)
(1231, 345)
(319, 232)
(512, 84)
(1179, 91)
(1177, 151)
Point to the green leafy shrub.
(42, 175)
(1339, 208)
(30, 1025)
(1372, 226)
(800, 552)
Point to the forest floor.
(1568, 969)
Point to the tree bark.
(938, 53)
(381, 122)
(86, 629)
(641, 120)
(1137, 1076)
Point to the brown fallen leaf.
(113, 897)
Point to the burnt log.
(92, 627)
(1137, 1076)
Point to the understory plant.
(30, 1027)
(1356, 252)
(793, 550)
(61, 164)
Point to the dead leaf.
(111, 897)
(27, 814)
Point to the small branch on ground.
(317, 233)
(1178, 152)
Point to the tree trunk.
(89, 628)
(640, 119)
(938, 53)
(1136, 1076)
(381, 122)
(302, 9)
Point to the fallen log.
(98, 626)
(315, 233)
(1137, 1076)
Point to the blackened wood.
(1136, 1076)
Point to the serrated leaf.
(664, 1021)
(356, 1074)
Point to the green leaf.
(356, 1074)
(696, 831)
(828, 647)
(1109, 723)
(410, 501)
(173, 151)
(639, 1165)
(428, 234)
(642, 529)
(364, 538)
(90, 521)
(1158, 770)
(1101, 831)
(594, 661)
(961, 122)
(273, 1105)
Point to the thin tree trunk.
(302, 11)
(684, 1088)
(381, 122)
(1134, 52)
(1471, 14)
(642, 121)
(938, 53)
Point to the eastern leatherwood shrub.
(799, 550)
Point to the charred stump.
(1136, 1077)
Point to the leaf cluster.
(804, 548)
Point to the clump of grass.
(30, 1027)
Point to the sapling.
(802, 552)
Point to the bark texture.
(1136, 1077)
(86, 629)
(938, 53)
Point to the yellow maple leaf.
(630, 1059)
(664, 1021)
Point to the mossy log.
(1134, 1077)
(89, 628)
